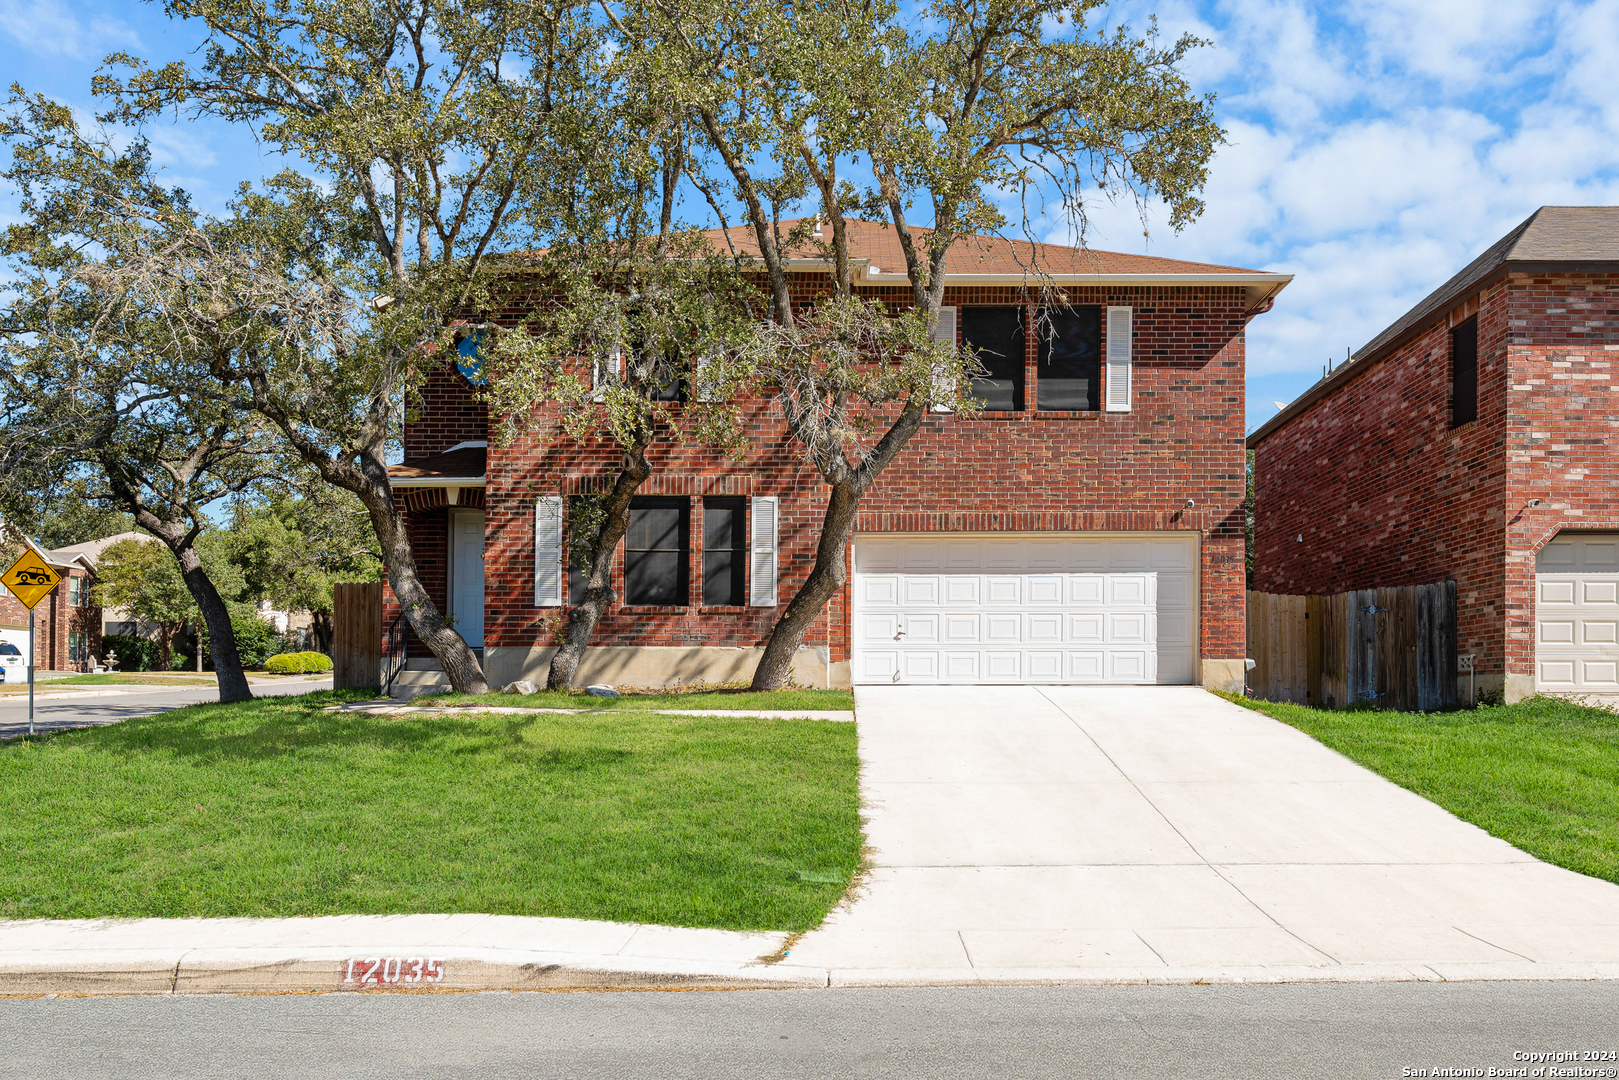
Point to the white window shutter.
(762, 579)
(1119, 325)
(548, 551)
(944, 330)
(703, 388)
(601, 368)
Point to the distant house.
(113, 620)
(1473, 440)
(67, 624)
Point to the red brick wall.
(53, 618)
(1385, 493)
(1182, 440)
(445, 411)
(1561, 444)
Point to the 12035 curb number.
(394, 970)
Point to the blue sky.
(1375, 146)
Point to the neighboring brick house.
(1472, 440)
(1087, 527)
(67, 623)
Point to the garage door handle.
(899, 635)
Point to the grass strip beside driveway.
(764, 701)
(274, 808)
(1542, 774)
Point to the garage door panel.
(1128, 627)
(1045, 589)
(921, 629)
(878, 590)
(1043, 627)
(1014, 610)
(1557, 592)
(1577, 613)
(1599, 632)
(1600, 592)
(878, 627)
(1600, 674)
(920, 589)
(919, 665)
(1003, 589)
(1003, 627)
(1003, 665)
(1088, 590)
(1087, 627)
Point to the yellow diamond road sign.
(30, 578)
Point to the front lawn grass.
(274, 807)
(765, 701)
(1542, 775)
(120, 678)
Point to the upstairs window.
(1464, 373)
(995, 334)
(1069, 359)
(657, 552)
(725, 552)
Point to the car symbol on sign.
(33, 577)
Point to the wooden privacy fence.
(356, 635)
(1394, 648)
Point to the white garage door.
(1577, 613)
(1058, 608)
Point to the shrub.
(298, 663)
(134, 653)
(256, 640)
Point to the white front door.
(466, 573)
(1577, 613)
(1052, 608)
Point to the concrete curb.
(379, 709)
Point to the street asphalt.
(58, 708)
(1318, 1030)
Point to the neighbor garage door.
(1057, 608)
(1577, 613)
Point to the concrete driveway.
(1161, 833)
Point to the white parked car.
(12, 667)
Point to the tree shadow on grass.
(269, 729)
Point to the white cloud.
(50, 28)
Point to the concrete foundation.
(1226, 675)
(655, 665)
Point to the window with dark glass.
(725, 551)
(657, 552)
(995, 335)
(1464, 373)
(1069, 355)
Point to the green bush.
(134, 653)
(298, 663)
(256, 641)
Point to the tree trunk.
(828, 575)
(831, 570)
(461, 664)
(320, 626)
(227, 661)
(165, 646)
(599, 595)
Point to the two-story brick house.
(1086, 527)
(67, 622)
(1473, 440)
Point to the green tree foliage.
(293, 547)
(441, 131)
(67, 513)
(141, 577)
(103, 382)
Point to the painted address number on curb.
(394, 970)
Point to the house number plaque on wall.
(394, 971)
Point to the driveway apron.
(1161, 833)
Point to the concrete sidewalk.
(1099, 834)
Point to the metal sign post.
(30, 673)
